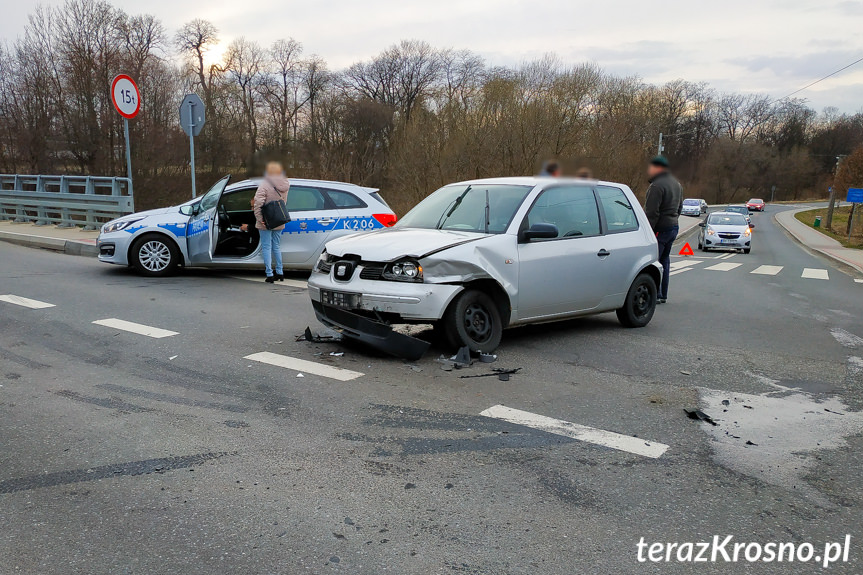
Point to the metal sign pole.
(128, 151)
(851, 222)
(192, 146)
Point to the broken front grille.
(372, 271)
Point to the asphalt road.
(124, 453)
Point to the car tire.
(473, 320)
(154, 255)
(640, 303)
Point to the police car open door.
(203, 229)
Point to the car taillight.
(386, 220)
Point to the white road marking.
(304, 365)
(858, 281)
(815, 274)
(25, 302)
(767, 270)
(138, 328)
(610, 439)
(286, 282)
(683, 264)
(846, 338)
(723, 267)
(680, 271)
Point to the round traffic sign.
(125, 95)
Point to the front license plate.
(727, 241)
(341, 299)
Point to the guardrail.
(64, 200)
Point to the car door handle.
(326, 221)
(603, 253)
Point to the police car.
(209, 232)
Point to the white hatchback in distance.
(479, 256)
(725, 230)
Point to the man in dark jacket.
(663, 205)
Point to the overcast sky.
(767, 46)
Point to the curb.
(834, 257)
(70, 247)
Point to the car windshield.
(691, 202)
(756, 201)
(484, 208)
(727, 220)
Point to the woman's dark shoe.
(270, 279)
(279, 277)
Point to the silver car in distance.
(476, 257)
(725, 230)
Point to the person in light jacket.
(273, 187)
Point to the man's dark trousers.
(665, 239)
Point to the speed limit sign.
(125, 95)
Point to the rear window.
(619, 215)
(345, 200)
(737, 209)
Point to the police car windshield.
(463, 208)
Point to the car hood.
(393, 243)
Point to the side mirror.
(751, 226)
(702, 224)
(540, 232)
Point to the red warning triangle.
(686, 250)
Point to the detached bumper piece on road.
(372, 333)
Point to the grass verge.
(839, 229)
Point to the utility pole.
(829, 223)
(772, 193)
(660, 148)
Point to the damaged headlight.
(323, 266)
(404, 271)
(118, 225)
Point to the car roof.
(249, 182)
(534, 181)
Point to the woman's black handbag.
(275, 214)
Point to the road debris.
(300, 375)
(337, 353)
(487, 358)
(685, 372)
(497, 371)
(173, 357)
(331, 337)
(699, 415)
(750, 443)
(831, 411)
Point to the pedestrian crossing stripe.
(723, 267)
(816, 274)
(767, 270)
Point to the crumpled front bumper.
(372, 333)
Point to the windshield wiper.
(456, 203)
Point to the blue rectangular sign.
(855, 196)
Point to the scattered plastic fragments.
(495, 372)
(699, 415)
(317, 337)
(487, 358)
(337, 353)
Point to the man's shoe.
(270, 279)
(279, 277)
(662, 300)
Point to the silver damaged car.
(476, 257)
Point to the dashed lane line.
(584, 433)
(723, 267)
(304, 366)
(132, 327)
(815, 274)
(767, 270)
(25, 302)
(678, 272)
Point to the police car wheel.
(640, 303)
(154, 255)
(473, 320)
